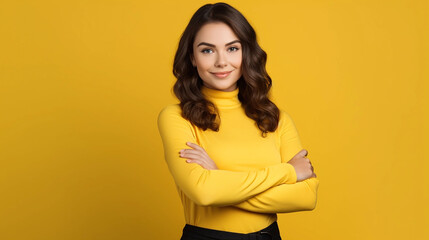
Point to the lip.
(221, 74)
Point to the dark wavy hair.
(254, 84)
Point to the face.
(217, 56)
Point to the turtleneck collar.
(221, 99)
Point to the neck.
(222, 99)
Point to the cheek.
(236, 60)
(203, 62)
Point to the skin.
(198, 155)
(217, 49)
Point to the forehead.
(217, 33)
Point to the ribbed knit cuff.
(290, 174)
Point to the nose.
(221, 60)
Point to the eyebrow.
(211, 45)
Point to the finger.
(302, 153)
(201, 161)
(202, 164)
(192, 155)
(190, 160)
(186, 152)
(193, 145)
(190, 151)
(197, 147)
(305, 152)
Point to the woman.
(235, 157)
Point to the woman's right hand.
(302, 165)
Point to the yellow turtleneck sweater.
(254, 180)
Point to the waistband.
(191, 232)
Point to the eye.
(206, 50)
(233, 49)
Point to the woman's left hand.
(198, 155)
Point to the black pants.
(198, 233)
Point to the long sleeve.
(212, 187)
(300, 196)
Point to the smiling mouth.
(221, 74)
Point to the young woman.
(235, 157)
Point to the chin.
(224, 88)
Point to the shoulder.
(169, 113)
(284, 117)
(172, 109)
(285, 120)
(172, 114)
(171, 122)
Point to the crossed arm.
(284, 198)
(270, 190)
(300, 196)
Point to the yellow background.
(82, 83)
